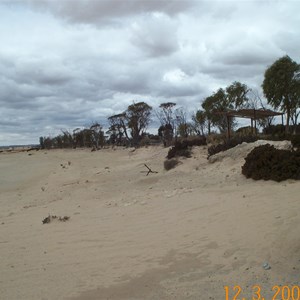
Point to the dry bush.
(295, 139)
(183, 148)
(215, 138)
(268, 163)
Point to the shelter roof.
(251, 113)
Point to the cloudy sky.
(67, 63)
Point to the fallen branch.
(65, 184)
(149, 170)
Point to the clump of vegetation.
(196, 141)
(214, 149)
(273, 130)
(179, 149)
(50, 218)
(183, 148)
(295, 140)
(92, 137)
(246, 131)
(268, 163)
(170, 164)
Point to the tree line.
(281, 88)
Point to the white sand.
(181, 234)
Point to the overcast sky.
(67, 63)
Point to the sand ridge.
(181, 234)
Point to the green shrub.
(268, 163)
(170, 164)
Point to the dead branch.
(149, 170)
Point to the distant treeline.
(281, 87)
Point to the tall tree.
(166, 117)
(166, 114)
(281, 86)
(233, 97)
(200, 122)
(97, 135)
(183, 127)
(216, 103)
(237, 95)
(118, 127)
(138, 119)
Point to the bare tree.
(118, 127)
(256, 102)
(97, 135)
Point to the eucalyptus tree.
(232, 97)
(138, 117)
(199, 122)
(281, 87)
(166, 116)
(118, 128)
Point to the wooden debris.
(149, 170)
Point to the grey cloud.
(249, 50)
(162, 51)
(156, 36)
(41, 71)
(109, 11)
(45, 76)
(288, 41)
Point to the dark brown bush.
(183, 148)
(268, 163)
(295, 140)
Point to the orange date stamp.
(279, 293)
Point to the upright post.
(255, 121)
(228, 126)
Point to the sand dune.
(181, 234)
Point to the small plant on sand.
(170, 164)
(268, 163)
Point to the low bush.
(183, 148)
(196, 141)
(214, 149)
(170, 164)
(280, 129)
(215, 138)
(278, 137)
(295, 139)
(179, 151)
(268, 163)
(274, 129)
(246, 131)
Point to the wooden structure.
(253, 114)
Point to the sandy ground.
(181, 234)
